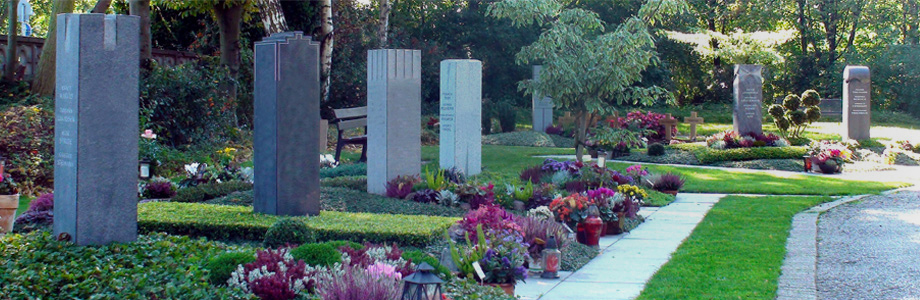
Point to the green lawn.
(503, 163)
(23, 204)
(735, 253)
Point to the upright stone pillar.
(542, 106)
(461, 112)
(394, 116)
(96, 128)
(748, 104)
(857, 100)
(286, 154)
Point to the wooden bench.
(348, 118)
(829, 107)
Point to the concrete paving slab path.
(627, 261)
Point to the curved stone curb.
(798, 278)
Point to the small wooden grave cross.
(669, 124)
(567, 120)
(693, 120)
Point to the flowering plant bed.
(829, 157)
(730, 140)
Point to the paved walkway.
(627, 261)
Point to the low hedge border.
(708, 155)
(228, 222)
(208, 191)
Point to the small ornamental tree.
(586, 67)
(796, 113)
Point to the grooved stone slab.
(461, 113)
(286, 155)
(394, 95)
(542, 106)
(96, 128)
(748, 99)
(857, 100)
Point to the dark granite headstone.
(286, 121)
(857, 97)
(748, 95)
(394, 116)
(542, 106)
(96, 128)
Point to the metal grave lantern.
(422, 285)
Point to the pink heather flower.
(148, 134)
(379, 269)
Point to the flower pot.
(508, 288)
(8, 206)
(616, 227)
(672, 193)
(829, 169)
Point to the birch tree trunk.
(43, 84)
(326, 49)
(101, 6)
(272, 16)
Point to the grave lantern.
(551, 258)
(602, 158)
(145, 169)
(422, 285)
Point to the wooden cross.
(693, 120)
(669, 124)
(567, 120)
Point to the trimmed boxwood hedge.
(708, 155)
(208, 191)
(228, 222)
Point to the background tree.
(585, 67)
(12, 60)
(272, 16)
(43, 84)
(141, 8)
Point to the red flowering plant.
(476, 195)
(571, 209)
(730, 140)
(638, 121)
(832, 153)
(492, 218)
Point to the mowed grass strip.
(736, 252)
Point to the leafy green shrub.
(656, 149)
(227, 222)
(210, 191)
(37, 266)
(796, 113)
(528, 139)
(222, 265)
(351, 182)
(340, 244)
(185, 104)
(708, 155)
(417, 257)
(27, 144)
(317, 254)
(235, 198)
(288, 231)
(359, 169)
(507, 115)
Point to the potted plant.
(668, 183)
(626, 205)
(570, 210)
(829, 157)
(601, 197)
(503, 263)
(9, 201)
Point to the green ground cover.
(736, 252)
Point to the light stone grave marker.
(857, 100)
(96, 128)
(747, 114)
(286, 105)
(693, 120)
(542, 106)
(461, 111)
(669, 123)
(394, 95)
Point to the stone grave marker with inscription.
(96, 128)
(857, 97)
(542, 106)
(668, 123)
(394, 95)
(693, 120)
(461, 109)
(286, 106)
(748, 99)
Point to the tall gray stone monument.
(286, 121)
(461, 112)
(394, 116)
(747, 114)
(857, 100)
(542, 106)
(96, 128)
